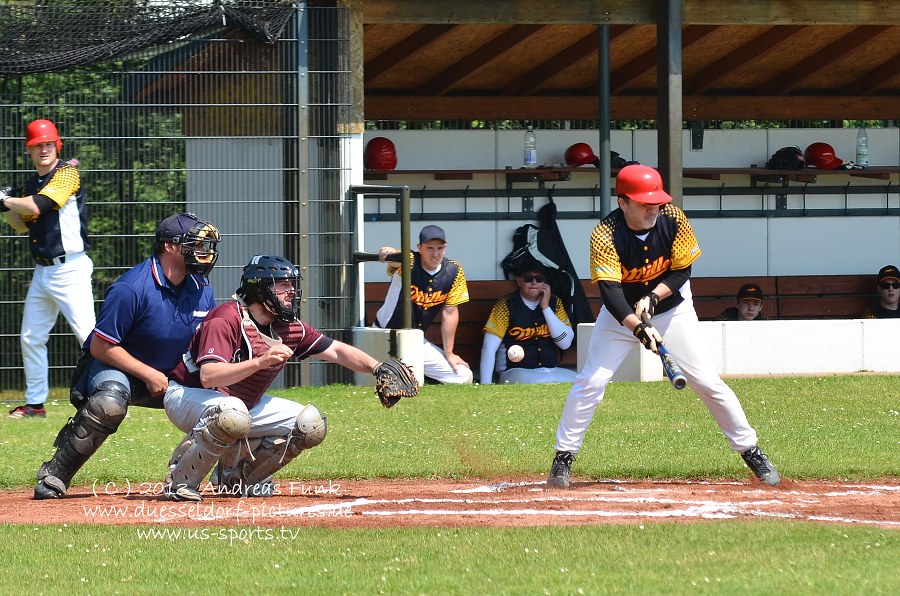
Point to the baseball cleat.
(559, 469)
(28, 411)
(757, 461)
(181, 492)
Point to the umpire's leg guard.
(81, 437)
(219, 428)
(251, 476)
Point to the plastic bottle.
(530, 148)
(862, 147)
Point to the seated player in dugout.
(533, 319)
(749, 306)
(438, 286)
(888, 288)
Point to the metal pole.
(605, 166)
(405, 269)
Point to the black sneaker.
(757, 461)
(559, 469)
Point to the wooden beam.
(404, 49)
(869, 82)
(584, 48)
(752, 50)
(642, 107)
(633, 12)
(479, 58)
(792, 77)
(646, 62)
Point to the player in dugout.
(641, 256)
(749, 306)
(888, 295)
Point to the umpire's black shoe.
(560, 468)
(757, 461)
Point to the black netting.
(58, 35)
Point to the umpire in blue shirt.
(145, 325)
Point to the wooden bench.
(787, 297)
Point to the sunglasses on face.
(530, 278)
(886, 285)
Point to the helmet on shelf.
(821, 155)
(380, 154)
(580, 154)
(642, 184)
(42, 131)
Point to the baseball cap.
(750, 291)
(431, 232)
(174, 228)
(530, 266)
(888, 272)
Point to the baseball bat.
(670, 366)
(365, 257)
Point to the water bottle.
(530, 148)
(862, 147)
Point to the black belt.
(48, 262)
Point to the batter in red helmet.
(641, 257)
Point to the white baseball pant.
(64, 288)
(611, 342)
(435, 366)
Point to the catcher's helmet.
(580, 154)
(821, 155)
(380, 154)
(198, 240)
(642, 184)
(258, 285)
(42, 131)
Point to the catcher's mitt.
(394, 380)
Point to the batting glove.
(649, 337)
(647, 304)
(4, 194)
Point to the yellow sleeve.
(63, 186)
(498, 321)
(685, 248)
(459, 291)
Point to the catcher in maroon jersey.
(217, 394)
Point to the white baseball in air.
(515, 353)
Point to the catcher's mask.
(266, 277)
(198, 240)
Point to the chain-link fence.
(240, 130)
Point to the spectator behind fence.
(749, 306)
(50, 207)
(533, 319)
(145, 325)
(888, 295)
(438, 286)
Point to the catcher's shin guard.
(192, 460)
(81, 437)
(251, 476)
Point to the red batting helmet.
(380, 154)
(580, 154)
(42, 131)
(821, 155)
(642, 184)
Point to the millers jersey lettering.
(429, 294)
(512, 321)
(63, 229)
(226, 335)
(618, 255)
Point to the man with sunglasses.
(533, 319)
(888, 295)
(147, 320)
(641, 256)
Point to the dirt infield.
(446, 503)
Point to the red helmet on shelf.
(580, 154)
(821, 155)
(380, 154)
(42, 131)
(642, 184)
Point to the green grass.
(813, 428)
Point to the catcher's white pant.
(272, 416)
(437, 367)
(64, 288)
(611, 342)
